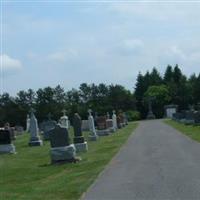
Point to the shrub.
(133, 115)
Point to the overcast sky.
(66, 43)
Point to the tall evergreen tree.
(168, 75)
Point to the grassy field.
(189, 130)
(28, 174)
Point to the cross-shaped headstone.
(64, 112)
(49, 116)
(32, 110)
(90, 111)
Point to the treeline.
(172, 88)
(100, 98)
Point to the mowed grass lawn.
(28, 175)
(189, 130)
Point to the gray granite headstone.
(46, 126)
(85, 125)
(61, 149)
(197, 117)
(79, 142)
(6, 145)
(35, 138)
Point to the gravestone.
(11, 131)
(107, 115)
(64, 121)
(120, 120)
(61, 149)
(85, 125)
(109, 125)
(179, 116)
(35, 138)
(93, 135)
(101, 123)
(19, 130)
(46, 126)
(28, 123)
(79, 141)
(189, 117)
(95, 118)
(114, 119)
(6, 145)
(125, 118)
(101, 126)
(197, 117)
(150, 114)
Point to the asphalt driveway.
(157, 163)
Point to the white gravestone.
(64, 121)
(114, 118)
(27, 123)
(93, 136)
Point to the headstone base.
(123, 124)
(151, 116)
(112, 130)
(35, 143)
(59, 154)
(7, 148)
(103, 132)
(189, 122)
(93, 137)
(81, 147)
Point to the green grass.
(28, 174)
(189, 130)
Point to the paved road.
(157, 163)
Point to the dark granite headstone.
(197, 117)
(109, 123)
(189, 117)
(179, 116)
(59, 137)
(77, 125)
(5, 137)
(61, 149)
(118, 122)
(6, 145)
(101, 123)
(11, 131)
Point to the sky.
(46, 43)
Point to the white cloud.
(10, 64)
(63, 56)
(128, 47)
(133, 43)
(162, 11)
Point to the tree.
(168, 75)
(162, 97)
(155, 78)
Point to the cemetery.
(56, 154)
(99, 100)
